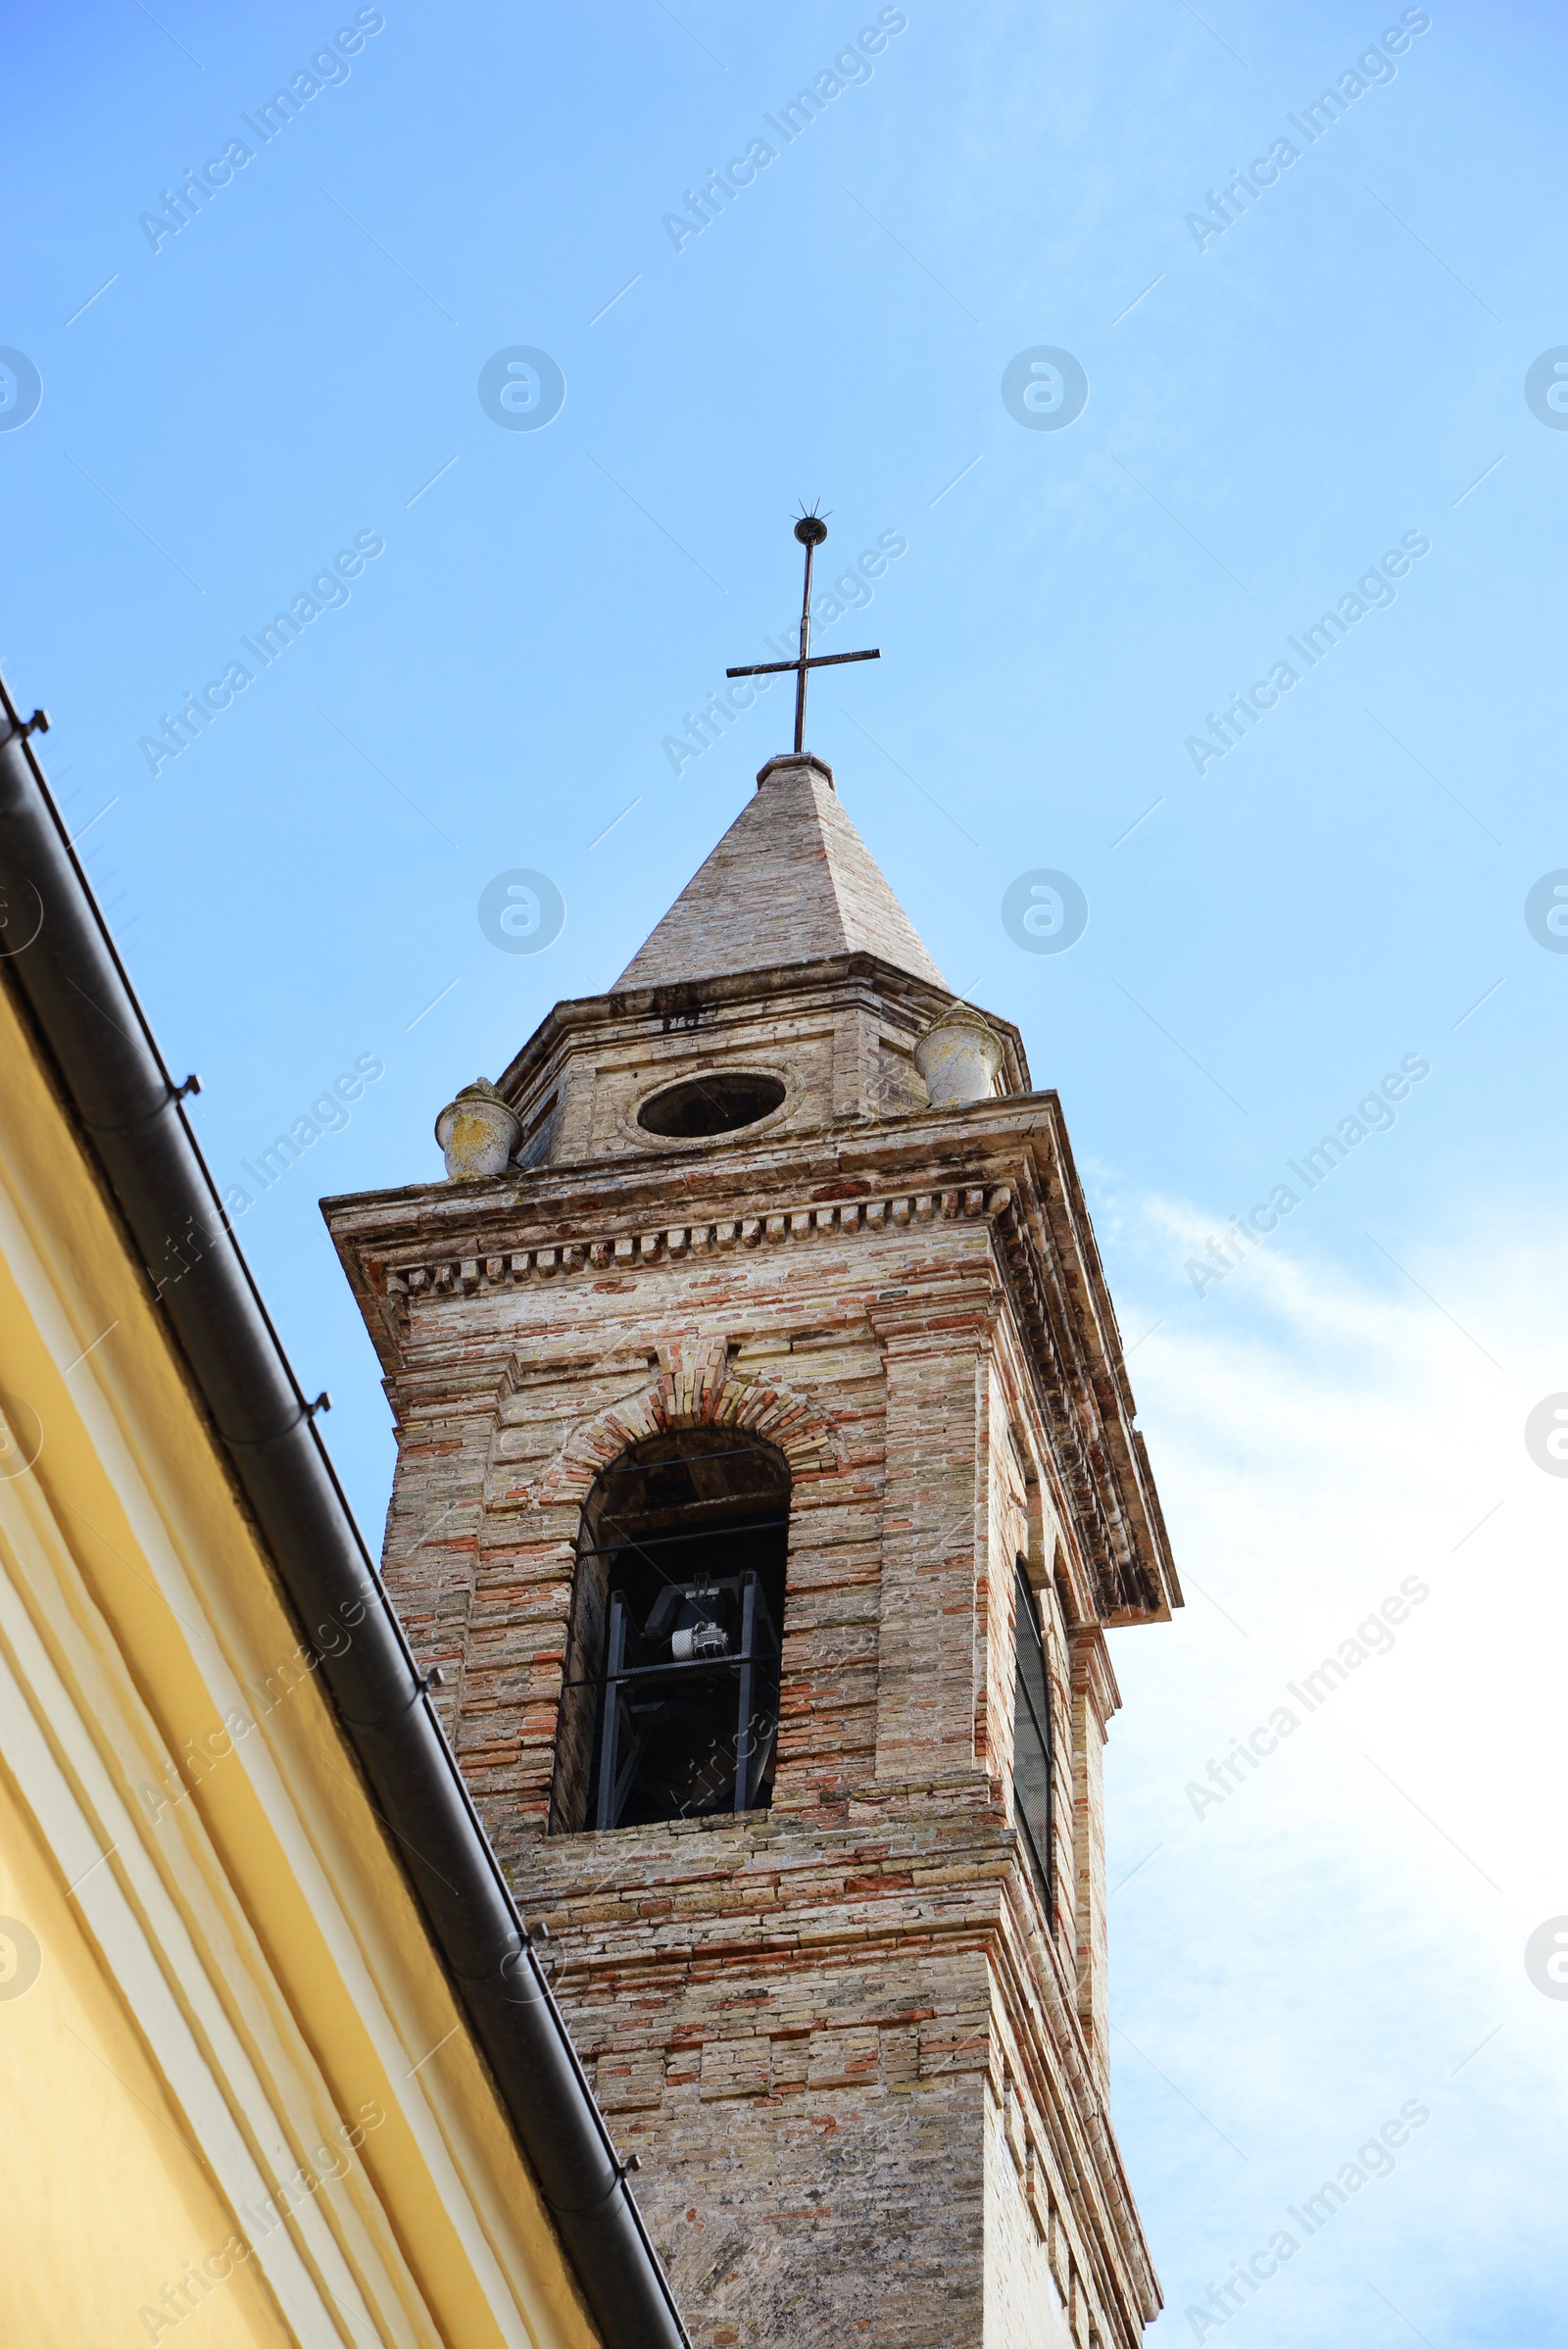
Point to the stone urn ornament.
(477, 1132)
(959, 1057)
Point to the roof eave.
(78, 999)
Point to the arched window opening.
(670, 1704)
(1033, 1770)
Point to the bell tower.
(766, 1486)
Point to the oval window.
(717, 1103)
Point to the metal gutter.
(57, 954)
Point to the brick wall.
(864, 2073)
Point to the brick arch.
(696, 1386)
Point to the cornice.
(927, 1150)
(440, 1272)
(694, 1002)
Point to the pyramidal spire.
(791, 881)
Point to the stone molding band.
(446, 1275)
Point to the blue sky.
(1274, 403)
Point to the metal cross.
(810, 530)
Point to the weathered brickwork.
(865, 2069)
(791, 881)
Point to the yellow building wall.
(237, 2025)
(103, 2204)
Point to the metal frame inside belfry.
(619, 1742)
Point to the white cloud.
(1343, 1930)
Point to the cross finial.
(809, 530)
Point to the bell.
(699, 1639)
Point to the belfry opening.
(669, 1709)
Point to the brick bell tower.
(766, 1485)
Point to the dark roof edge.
(74, 985)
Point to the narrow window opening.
(670, 1704)
(1033, 1775)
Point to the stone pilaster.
(934, 1532)
(1094, 1699)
